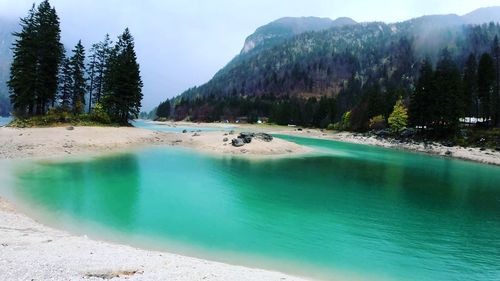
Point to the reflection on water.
(106, 190)
(353, 208)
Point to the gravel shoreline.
(487, 156)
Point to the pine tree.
(91, 73)
(420, 103)
(103, 52)
(123, 84)
(163, 110)
(448, 98)
(66, 85)
(37, 56)
(485, 84)
(77, 62)
(22, 83)
(470, 87)
(49, 54)
(495, 101)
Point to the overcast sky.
(182, 43)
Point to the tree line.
(446, 95)
(317, 78)
(44, 77)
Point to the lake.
(347, 210)
(162, 127)
(4, 121)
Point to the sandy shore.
(475, 154)
(487, 156)
(59, 142)
(31, 251)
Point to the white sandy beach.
(32, 251)
(60, 142)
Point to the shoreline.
(470, 154)
(60, 142)
(473, 154)
(31, 250)
(26, 242)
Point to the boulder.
(246, 134)
(70, 128)
(225, 139)
(382, 133)
(184, 131)
(238, 142)
(408, 133)
(246, 137)
(449, 143)
(264, 137)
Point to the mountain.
(6, 40)
(290, 63)
(483, 15)
(284, 28)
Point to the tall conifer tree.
(49, 55)
(420, 103)
(22, 83)
(66, 85)
(78, 76)
(123, 84)
(37, 55)
(485, 84)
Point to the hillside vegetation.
(315, 77)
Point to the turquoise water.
(348, 209)
(4, 121)
(177, 129)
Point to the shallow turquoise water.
(178, 129)
(4, 121)
(372, 212)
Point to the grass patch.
(58, 119)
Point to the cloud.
(181, 44)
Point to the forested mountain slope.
(314, 77)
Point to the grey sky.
(181, 44)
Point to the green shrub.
(344, 124)
(377, 123)
(59, 117)
(99, 115)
